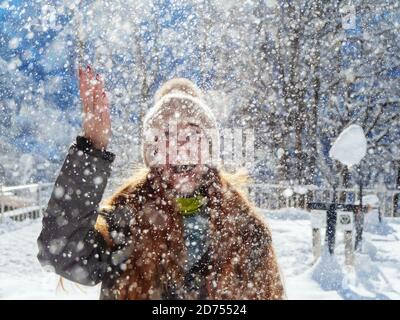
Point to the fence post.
(359, 221)
(384, 203)
(316, 242)
(309, 197)
(331, 216)
(39, 197)
(1, 205)
(348, 247)
(316, 239)
(395, 203)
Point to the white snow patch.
(287, 193)
(350, 146)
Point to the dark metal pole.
(331, 224)
(359, 219)
(397, 196)
(380, 214)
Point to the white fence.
(28, 201)
(24, 201)
(277, 196)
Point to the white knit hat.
(179, 100)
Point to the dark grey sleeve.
(69, 242)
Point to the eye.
(183, 168)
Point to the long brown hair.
(243, 263)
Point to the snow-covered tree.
(358, 83)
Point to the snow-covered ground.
(375, 275)
(376, 271)
(21, 276)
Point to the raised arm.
(69, 242)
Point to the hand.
(96, 123)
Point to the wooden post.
(316, 242)
(280, 200)
(348, 247)
(39, 197)
(380, 213)
(396, 196)
(359, 221)
(384, 204)
(1, 206)
(395, 204)
(316, 238)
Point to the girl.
(177, 230)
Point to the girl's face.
(183, 168)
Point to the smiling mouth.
(183, 168)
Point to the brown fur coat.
(243, 263)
